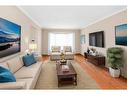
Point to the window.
(61, 39)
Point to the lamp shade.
(32, 46)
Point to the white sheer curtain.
(61, 39)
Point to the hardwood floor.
(99, 74)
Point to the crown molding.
(115, 13)
(31, 18)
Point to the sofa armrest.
(13, 85)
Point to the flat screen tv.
(96, 39)
(10, 36)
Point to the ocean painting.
(121, 34)
(9, 38)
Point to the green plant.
(115, 55)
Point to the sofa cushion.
(13, 85)
(28, 82)
(5, 65)
(69, 53)
(55, 56)
(69, 56)
(27, 72)
(6, 75)
(15, 64)
(56, 53)
(36, 65)
(29, 60)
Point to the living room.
(38, 33)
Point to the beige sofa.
(68, 53)
(55, 53)
(26, 77)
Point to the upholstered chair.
(55, 53)
(68, 53)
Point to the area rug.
(48, 78)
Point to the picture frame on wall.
(82, 39)
(10, 38)
(121, 34)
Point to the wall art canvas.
(121, 34)
(82, 39)
(10, 35)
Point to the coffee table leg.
(75, 80)
(58, 82)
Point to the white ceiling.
(72, 17)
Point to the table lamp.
(32, 47)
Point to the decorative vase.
(114, 72)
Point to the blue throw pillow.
(6, 76)
(33, 58)
(29, 59)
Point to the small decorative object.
(88, 50)
(62, 55)
(121, 34)
(65, 68)
(96, 53)
(63, 61)
(94, 50)
(82, 39)
(114, 55)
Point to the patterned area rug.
(48, 78)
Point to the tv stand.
(97, 60)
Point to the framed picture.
(121, 34)
(82, 39)
(10, 38)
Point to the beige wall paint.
(13, 14)
(45, 33)
(108, 26)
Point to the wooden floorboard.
(99, 74)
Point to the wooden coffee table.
(66, 77)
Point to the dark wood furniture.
(97, 60)
(85, 54)
(68, 77)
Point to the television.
(10, 36)
(96, 39)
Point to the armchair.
(68, 53)
(55, 53)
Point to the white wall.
(13, 14)
(45, 38)
(108, 26)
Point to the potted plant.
(114, 56)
